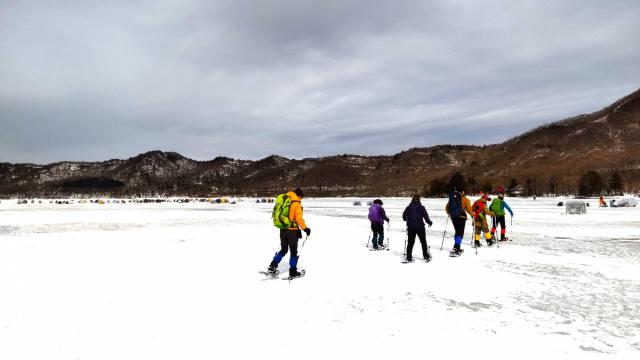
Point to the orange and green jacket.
(483, 209)
(295, 212)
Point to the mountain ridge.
(607, 141)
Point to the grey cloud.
(298, 78)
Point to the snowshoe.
(294, 275)
(428, 257)
(270, 273)
(406, 261)
(490, 242)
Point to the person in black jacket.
(416, 215)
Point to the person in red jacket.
(289, 237)
(480, 212)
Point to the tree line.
(591, 183)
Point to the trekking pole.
(369, 239)
(388, 237)
(510, 229)
(495, 237)
(445, 233)
(305, 240)
(473, 238)
(405, 244)
(428, 246)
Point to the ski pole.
(369, 239)
(445, 233)
(305, 240)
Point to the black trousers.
(499, 220)
(412, 232)
(289, 241)
(458, 225)
(378, 233)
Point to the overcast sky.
(95, 80)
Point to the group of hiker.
(459, 206)
(458, 209)
(287, 216)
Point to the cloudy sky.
(95, 80)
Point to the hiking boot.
(293, 272)
(489, 242)
(427, 257)
(272, 267)
(477, 243)
(382, 246)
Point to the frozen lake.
(180, 281)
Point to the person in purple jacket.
(416, 215)
(377, 216)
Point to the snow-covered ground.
(180, 281)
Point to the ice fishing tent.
(576, 207)
(626, 202)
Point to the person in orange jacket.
(480, 212)
(602, 202)
(289, 237)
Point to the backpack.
(280, 213)
(374, 214)
(477, 208)
(455, 205)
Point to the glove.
(430, 223)
(307, 231)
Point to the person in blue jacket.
(416, 215)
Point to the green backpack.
(280, 212)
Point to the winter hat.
(377, 201)
(415, 197)
(299, 192)
(500, 189)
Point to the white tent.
(626, 202)
(576, 207)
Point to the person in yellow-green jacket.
(289, 236)
(498, 205)
(480, 212)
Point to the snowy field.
(180, 281)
